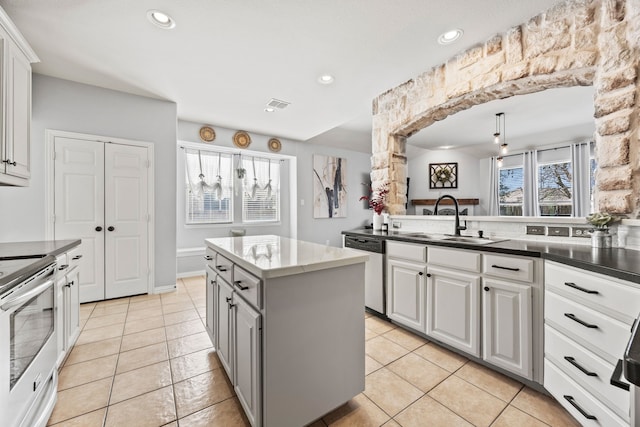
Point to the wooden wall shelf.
(445, 202)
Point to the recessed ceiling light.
(160, 19)
(450, 36)
(326, 79)
(446, 147)
(269, 109)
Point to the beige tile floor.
(147, 361)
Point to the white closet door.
(126, 217)
(79, 207)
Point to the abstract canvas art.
(329, 187)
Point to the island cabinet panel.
(290, 336)
(210, 295)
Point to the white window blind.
(209, 187)
(261, 195)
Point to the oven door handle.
(16, 301)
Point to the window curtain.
(261, 175)
(208, 172)
(530, 196)
(580, 159)
(494, 197)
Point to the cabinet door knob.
(98, 228)
(428, 274)
(486, 288)
(111, 228)
(420, 273)
(228, 299)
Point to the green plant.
(601, 220)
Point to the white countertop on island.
(272, 256)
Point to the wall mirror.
(549, 157)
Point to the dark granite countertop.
(20, 260)
(616, 262)
(36, 249)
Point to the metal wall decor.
(207, 134)
(443, 175)
(241, 139)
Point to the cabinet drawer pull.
(582, 322)
(573, 403)
(574, 286)
(228, 299)
(238, 283)
(505, 268)
(208, 257)
(221, 268)
(580, 367)
(63, 267)
(9, 162)
(77, 257)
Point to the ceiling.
(225, 60)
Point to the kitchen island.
(286, 318)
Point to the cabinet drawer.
(606, 334)
(407, 251)
(570, 357)
(62, 264)
(247, 285)
(455, 258)
(565, 390)
(594, 288)
(73, 257)
(513, 268)
(224, 268)
(210, 257)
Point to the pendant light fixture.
(500, 137)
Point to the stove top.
(14, 271)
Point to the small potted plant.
(377, 201)
(600, 237)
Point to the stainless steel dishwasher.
(374, 276)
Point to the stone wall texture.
(577, 42)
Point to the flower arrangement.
(377, 200)
(601, 220)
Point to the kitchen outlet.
(301, 202)
(558, 231)
(536, 230)
(580, 232)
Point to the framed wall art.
(329, 187)
(443, 175)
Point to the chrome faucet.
(457, 208)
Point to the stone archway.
(578, 42)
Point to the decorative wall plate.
(207, 134)
(274, 145)
(241, 139)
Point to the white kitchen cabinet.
(406, 291)
(15, 104)
(224, 327)
(210, 295)
(507, 328)
(247, 356)
(453, 308)
(67, 302)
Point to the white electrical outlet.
(301, 202)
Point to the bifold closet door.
(126, 219)
(79, 208)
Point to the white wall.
(469, 171)
(307, 228)
(70, 106)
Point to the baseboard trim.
(187, 252)
(190, 274)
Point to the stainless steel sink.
(421, 235)
(472, 240)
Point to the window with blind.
(223, 187)
(209, 183)
(555, 189)
(261, 195)
(511, 191)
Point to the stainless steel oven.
(28, 347)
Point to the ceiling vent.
(278, 104)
